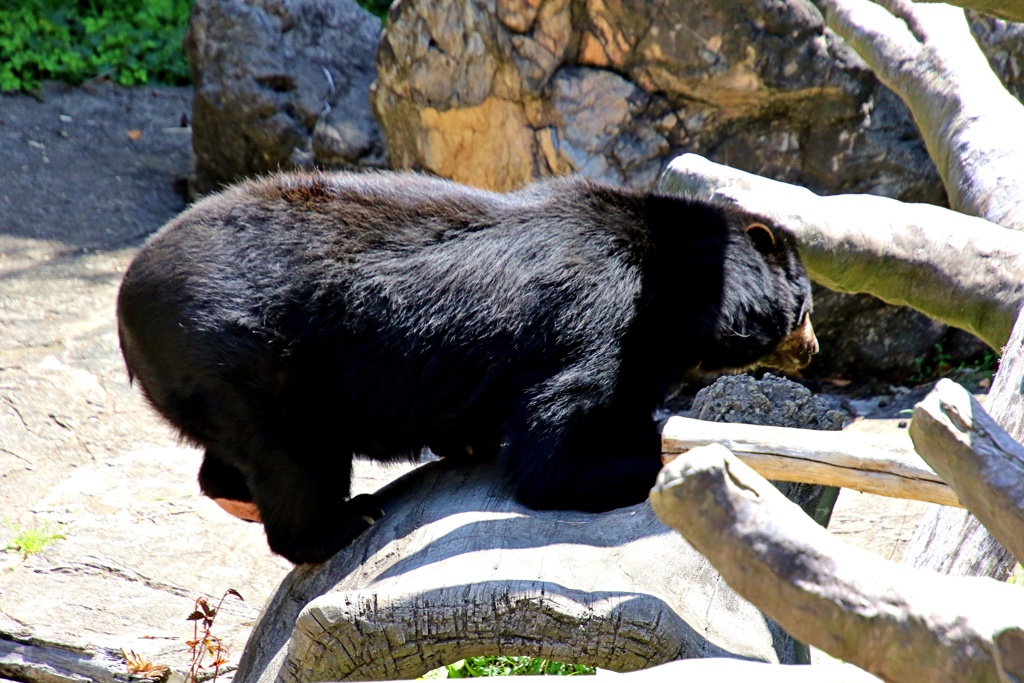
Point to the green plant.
(987, 363)
(936, 364)
(939, 363)
(31, 540)
(376, 7)
(203, 641)
(129, 41)
(474, 667)
(1016, 576)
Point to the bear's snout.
(795, 351)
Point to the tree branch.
(895, 622)
(927, 55)
(962, 270)
(883, 465)
(983, 463)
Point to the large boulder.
(614, 90)
(280, 85)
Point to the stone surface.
(773, 401)
(861, 336)
(280, 85)
(613, 90)
(1003, 44)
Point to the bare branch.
(977, 457)
(895, 622)
(927, 55)
(883, 465)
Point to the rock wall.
(613, 90)
(280, 84)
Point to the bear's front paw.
(363, 510)
(332, 531)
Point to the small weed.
(987, 363)
(939, 363)
(31, 540)
(1016, 576)
(475, 667)
(204, 643)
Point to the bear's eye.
(762, 237)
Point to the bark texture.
(456, 569)
(983, 463)
(875, 463)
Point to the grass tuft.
(31, 540)
(474, 667)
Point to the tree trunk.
(457, 568)
(953, 541)
(970, 125)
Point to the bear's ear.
(762, 237)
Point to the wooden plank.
(873, 463)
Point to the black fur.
(289, 323)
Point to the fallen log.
(872, 463)
(457, 568)
(898, 623)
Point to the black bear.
(288, 323)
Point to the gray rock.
(1003, 44)
(862, 336)
(280, 85)
(772, 401)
